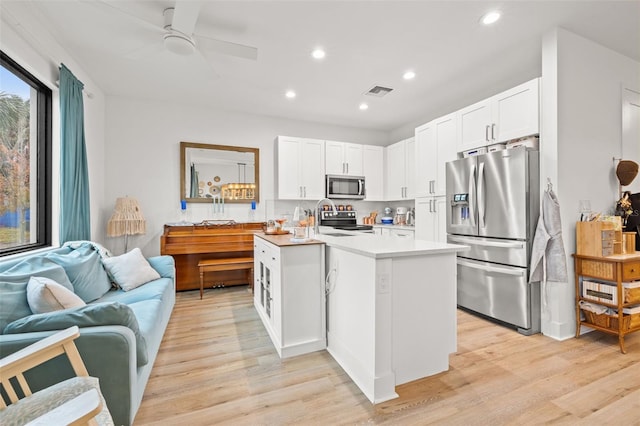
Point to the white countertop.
(384, 247)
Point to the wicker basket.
(631, 295)
(611, 322)
(594, 268)
(601, 320)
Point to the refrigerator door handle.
(481, 196)
(472, 196)
(515, 244)
(487, 268)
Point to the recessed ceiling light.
(363, 106)
(490, 17)
(290, 94)
(318, 53)
(409, 75)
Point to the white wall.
(142, 156)
(26, 41)
(581, 133)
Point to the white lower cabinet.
(391, 232)
(289, 295)
(431, 219)
(402, 233)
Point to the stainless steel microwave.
(348, 187)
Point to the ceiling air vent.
(378, 91)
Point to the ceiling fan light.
(179, 44)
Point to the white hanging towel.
(548, 261)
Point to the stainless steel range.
(344, 220)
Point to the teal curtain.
(75, 220)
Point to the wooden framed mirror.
(210, 171)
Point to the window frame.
(44, 170)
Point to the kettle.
(411, 217)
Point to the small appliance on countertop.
(411, 217)
(387, 219)
(401, 216)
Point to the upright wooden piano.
(188, 244)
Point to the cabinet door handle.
(486, 133)
(434, 206)
(343, 168)
(347, 164)
(430, 206)
(493, 129)
(304, 189)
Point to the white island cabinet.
(289, 293)
(391, 309)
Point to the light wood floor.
(216, 365)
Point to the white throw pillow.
(45, 295)
(130, 270)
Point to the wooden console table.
(190, 244)
(614, 269)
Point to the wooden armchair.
(76, 401)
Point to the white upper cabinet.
(400, 170)
(435, 146)
(516, 112)
(509, 115)
(475, 126)
(300, 174)
(373, 172)
(342, 158)
(426, 159)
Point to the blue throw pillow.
(13, 302)
(112, 313)
(36, 266)
(85, 270)
(13, 286)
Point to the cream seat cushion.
(30, 408)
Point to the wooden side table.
(614, 269)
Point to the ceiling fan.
(178, 36)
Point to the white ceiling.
(457, 60)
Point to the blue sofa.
(113, 350)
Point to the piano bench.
(227, 264)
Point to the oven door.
(348, 187)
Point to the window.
(25, 160)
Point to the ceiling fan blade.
(185, 16)
(111, 6)
(145, 52)
(212, 72)
(227, 48)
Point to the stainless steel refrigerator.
(493, 207)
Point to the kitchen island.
(391, 309)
